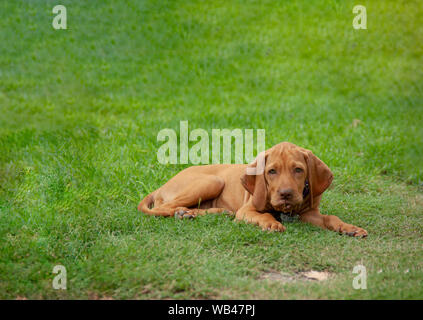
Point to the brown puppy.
(284, 179)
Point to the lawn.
(80, 110)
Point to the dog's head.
(279, 178)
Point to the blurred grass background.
(81, 109)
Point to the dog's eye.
(298, 170)
(272, 171)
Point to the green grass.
(80, 110)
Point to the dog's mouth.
(285, 206)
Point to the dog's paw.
(354, 231)
(184, 213)
(360, 233)
(272, 226)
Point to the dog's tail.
(146, 206)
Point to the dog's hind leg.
(178, 197)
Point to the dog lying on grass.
(284, 179)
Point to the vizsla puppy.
(284, 179)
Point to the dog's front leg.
(332, 223)
(266, 221)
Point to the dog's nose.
(286, 194)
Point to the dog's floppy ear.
(319, 175)
(254, 182)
